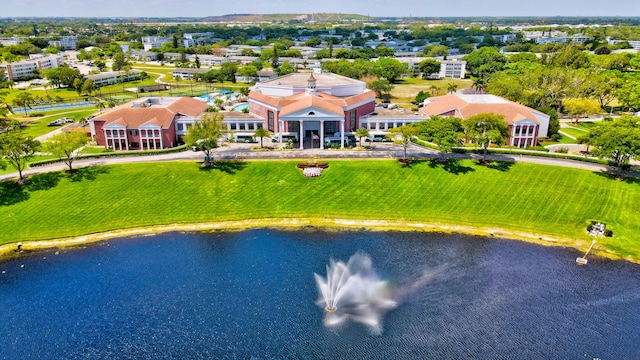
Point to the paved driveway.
(244, 152)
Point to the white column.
(513, 135)
(342, 134)
(280, 127)
(321, 134)
(126, 139)
(301, 135)
(161, 145)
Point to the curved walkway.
(244, 152)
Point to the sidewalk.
(239, 151)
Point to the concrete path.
(244, 152)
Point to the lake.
(252, 294)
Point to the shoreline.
(9, 250)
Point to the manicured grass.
(39, 127)
(405, 90)
(563, 140)
(539, 199)
(574, 131)
(11, 169)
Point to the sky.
(376, 8)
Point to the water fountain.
(354, 291)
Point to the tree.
(24, 99)
(313, 42)
(88, 86)
(554, 123)
(67, 145)
(421, 96)
(77, 84)
(444, 131)
(205, 134)
(436, 50)
(618, 141)
(389, 68)
(404, 135)
(17, 149)
(580, 107)
(286, 68)
(484, 61)
(229, 70)
(484, 129)
(629, 95)
(362, 133)
(479, 84)
(261, 133)
(428, 67)
(248, 71)
(119, 61)
(452, 87)
(381, 87)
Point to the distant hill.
(317, 17)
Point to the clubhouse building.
(315, 110)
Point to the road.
(244, 152)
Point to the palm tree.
(24, 99)
(478, 84)
(452, 87)
(261, 133)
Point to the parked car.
(60, 121)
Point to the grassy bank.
(516, 197)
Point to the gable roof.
(163, 116)
(465, 106)
(321, 100)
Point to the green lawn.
(39, 127)
(11, 169)
(563, 140)
(574, 131)
(540, 199)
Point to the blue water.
(36, 108)
(241, 107)
(252, 295)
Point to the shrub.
(538, 148)
(608, 233)
(562, 150)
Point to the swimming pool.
(241, 107)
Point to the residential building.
(29, 68)
(526, 125)
(146, 123)
(113, 77)
(142, 55)
(63, 42)
(452, 69)
(187, 73)
(149, 42)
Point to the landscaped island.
(546, 204)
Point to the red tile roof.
(466, 106)
(301, 100)
(162, 116)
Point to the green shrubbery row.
(108, 153)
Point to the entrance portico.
(312, 122)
